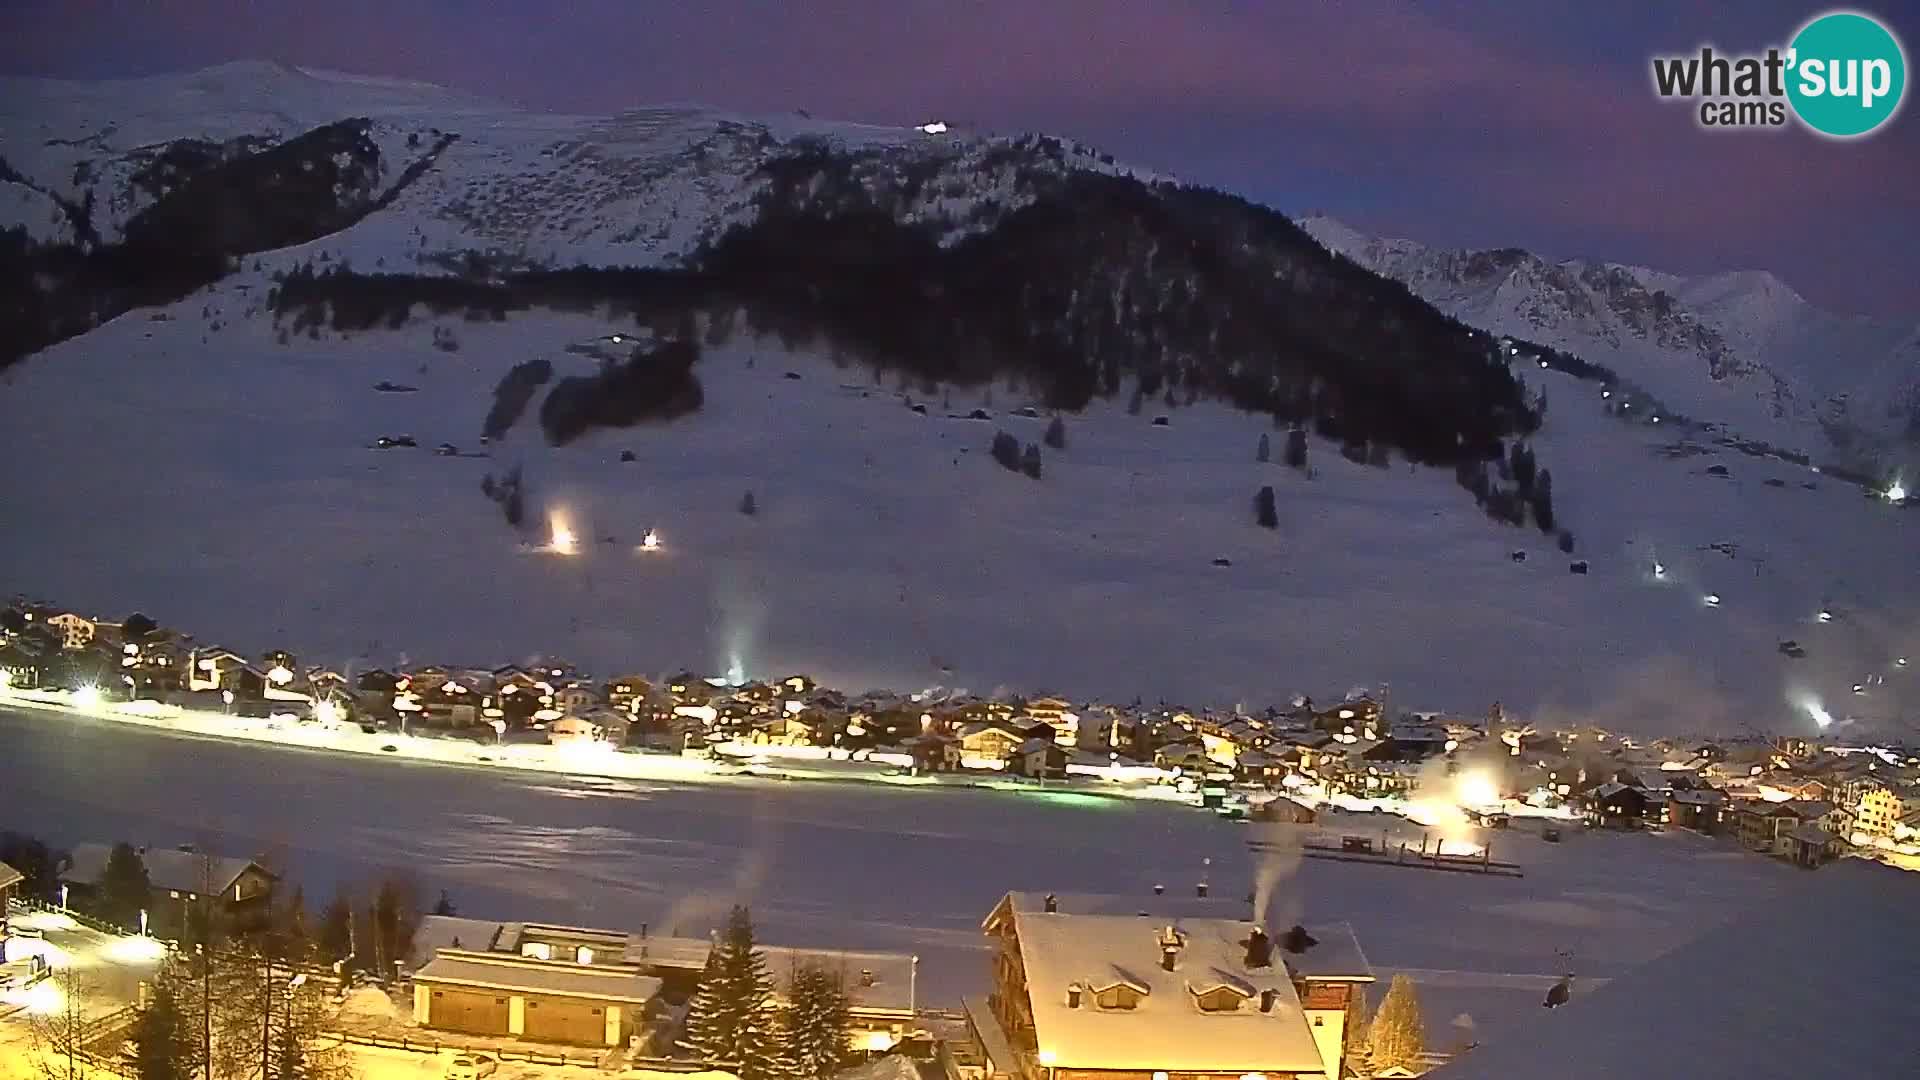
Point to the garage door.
(475, 1011)
(566, 1020)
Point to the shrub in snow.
(1297, 448)
(1264, 510)
(1056, 436)
(1006, 451)
(1263, 453)
(1030, 461)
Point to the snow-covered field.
(221, 482)
(853, 866)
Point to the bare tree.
(58, 1030)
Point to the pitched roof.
(496, 971)
(167, 868)
(1166, 1029)
(9, 876)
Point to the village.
(1800, 799)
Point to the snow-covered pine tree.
(1397, 1035)
(816, 1024)
(730, 1019)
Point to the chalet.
(10, 882)
(487, 993)
(1116, 997)
(76, 631)
(1810, 845)
(1615, 805)
(179, 878)
(627, 691)
(1184, 754)
(224, 669)
(935, 752)
(1700, 809)
(990, 741)
(1416, 742)
(1283, 810)
(611, 976)
(1259, 767)
(1059, 717)
(1765, 826)
(1350, 717)
(1040, 758)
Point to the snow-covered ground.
(857, 866)
(221, 482)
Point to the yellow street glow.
(564, 542)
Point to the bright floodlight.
(1478, 789)
(1897, 492)
(1902, 662)
(1821, 717)
(280, 675)
(563, 541)
(1712, 599)
(87, 697)
(650, 542)
(1825, 615)
(1659, 570)
(328, 711)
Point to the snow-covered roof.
(496, 971)
(438, 932)
(9, 876)
(1166, 1029)
(167, 868)
(1715, 1006)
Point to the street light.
(143, 921)
(63, 897)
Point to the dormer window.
(1219, 999)
(1120, 996)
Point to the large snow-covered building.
(1084, 996)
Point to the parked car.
(472, 1066)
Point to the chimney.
(1259, 950)
(1159, 889)
(1200, 890)
(1170, 944)
(1267, 998)
(1052, 903)
(866, 976)
(1073, 997)
(1297, 940)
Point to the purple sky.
(1455, 123)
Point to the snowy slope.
(1740, 349)
(889, 550)
(208, 466)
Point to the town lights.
(87, 697)
(650, 542)
(328, 711)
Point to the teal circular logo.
(1847, 74)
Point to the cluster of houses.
(1793, 798)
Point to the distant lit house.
(179, 878)
(1039, 758)
(1878, 810)
(76, 631)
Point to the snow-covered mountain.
(195, 419)
(1740, 349)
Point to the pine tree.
(1543, 500)
(163, 1046)
(335, 936)
(1264, 453)
(1397, 1035)
(1264, 510)
(1056, 435)
(816, 1024)
(730, 1020)
(747, 505)
(444, 905)
(1356, 1053)
(1030, 461)
(124, 892)
(1297, 448)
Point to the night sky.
(1529, 124)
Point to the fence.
(416, 1046)
(32, 903)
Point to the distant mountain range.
(1741, 349)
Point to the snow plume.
(1277, 899)
(697, 913)
(740, 612)
(1664, 694)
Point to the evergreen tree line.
(733, 1020)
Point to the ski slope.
(222, 482)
